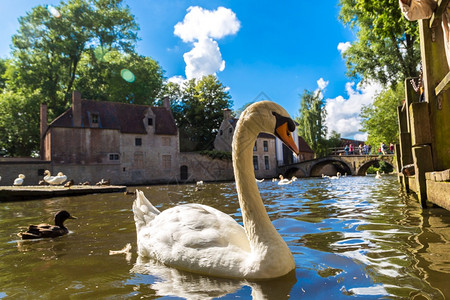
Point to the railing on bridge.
(356, 151)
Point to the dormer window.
(94, 119)
(150, 121)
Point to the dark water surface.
(356, 237)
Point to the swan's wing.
(193, 234)
(144, 211)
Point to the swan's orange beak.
(285, 135)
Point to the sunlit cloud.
(342, 47)
(343, 113)
(203, 27)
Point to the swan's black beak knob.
(283, 130)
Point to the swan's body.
(54, 180)
(378, 175)
(259, 180)
(19, 180)
(284, 181)
(204, 240)
(338, 175)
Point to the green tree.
(198, 111)
(19, 128)
(379, 119)
(311, 122)
(387, 45)
(101, 77)
(48, 47)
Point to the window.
(150, 121)
(113, 156)
(94, 118)
(166, 141)
(138, 142)
(255, 163)
(266, 163)
(255, 148)
(166, 162)
(220, 132)
(266, 146)
(230, 130)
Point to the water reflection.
(354, 237)
(166, 281)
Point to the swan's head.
(269, 117)
(60, 174)
(21, 176)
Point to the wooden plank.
(436, 17)
(443, 85)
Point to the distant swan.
(378, 175)
(201, 239)
(54, 180)
(284, 181)
(19, 180)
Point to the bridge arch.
(361, 171)
(334, 166)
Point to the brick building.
(126, 143)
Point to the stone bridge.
(355, 165)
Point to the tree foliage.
(47, 49)
(379, 119)
(82, 44)
(387, 45)
(198, 107)
(100, 77)
(311, 122)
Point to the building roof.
(303, 146)
(128, 118)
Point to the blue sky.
(256, 48)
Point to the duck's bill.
(284, 134)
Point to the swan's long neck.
(257, 224)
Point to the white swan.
(378, 176)
(19, 180)
(54, 180)
(284, 181)
(203, 240)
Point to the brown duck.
(47, 230)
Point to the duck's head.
(272, 118)
(61, 216)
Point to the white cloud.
(202, 27)
(201, 23)
(343, 114)
(180, 80)
(204, 59)
(342, 47)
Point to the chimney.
(76, 108)
(166, 103)
(43, 129)
(226, 114)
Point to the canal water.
(355, 237)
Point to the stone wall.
(32, 169)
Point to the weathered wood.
(420, 124)
(443, 85)
(437, 15)
(423, 163)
